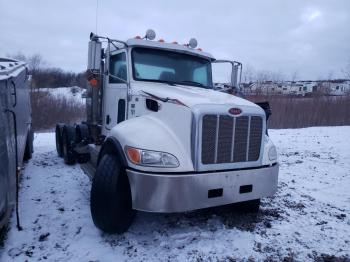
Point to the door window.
(117, 68)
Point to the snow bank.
(70, 93)
(307, 219)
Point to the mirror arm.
(234, 74)
(118, 78)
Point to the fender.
(158, 132)
(112, 146)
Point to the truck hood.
(187, 95)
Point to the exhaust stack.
(95, 67)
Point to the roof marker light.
(175, 43)
(137, 37)
(161, 40)
(199, 49)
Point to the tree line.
(45, 76)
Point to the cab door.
(116, 90)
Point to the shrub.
(296, 112)
(48, 110)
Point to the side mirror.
(94, 55)
(227, 73)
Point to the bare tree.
(18, 56)
(248, 74)
(294, 76)
(35, 62)
(346, 70)
(277, 76)
(330, 75)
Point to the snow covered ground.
(71, 93)
(308, 219)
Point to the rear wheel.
(82, 133)
(59, 144)
(82, 138)
(110, 200)
(68, 143)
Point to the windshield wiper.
(193, 83)
(171, 83)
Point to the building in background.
(297, 88)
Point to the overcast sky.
(311, 38)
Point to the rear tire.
(82, 133)
(59, 144)
(68, 143)
(28, 151)
(110, 199)
(82, 137)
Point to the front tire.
(68, 143)
(110, 199)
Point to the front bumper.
(185, 192)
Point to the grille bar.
(255, 137)
(224, 145)
(248, 139)
(208, 139)
(227, 139)
(241, 139)
(233, 138)
(216, 138)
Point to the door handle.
(14, 94)
(108, 119)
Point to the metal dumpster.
(16, 137)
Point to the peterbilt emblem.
(235, 111)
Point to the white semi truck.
(159, 137)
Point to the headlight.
(150, 158)
(272, 153)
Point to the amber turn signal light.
(133, 155)
(93, 82)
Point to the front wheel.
(110, 199)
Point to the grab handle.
(14, 93)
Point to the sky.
(300, 39)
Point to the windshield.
(170, 67)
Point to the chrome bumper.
(184, 192)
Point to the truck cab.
(161, 137)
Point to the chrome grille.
(241, 141)
(227, 139)
(255, 138)
(209, 139)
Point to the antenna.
(96, 18)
